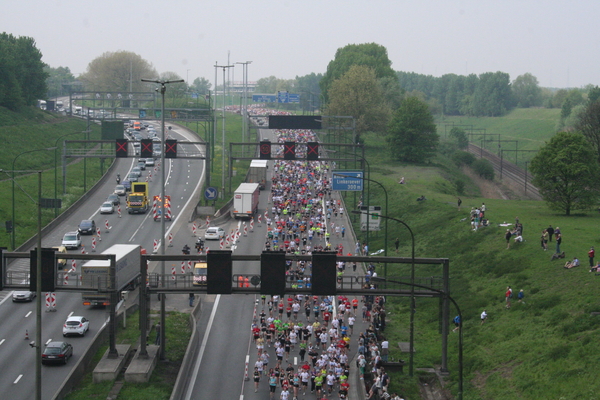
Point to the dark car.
(127, 185)
(87, 227)
(57, 353)
(114, 198)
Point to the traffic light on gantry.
(272, 272)
(121, 148)
(312, 151)
(170, 148)
(48, 270)
(265, 150)
(323, 278)
(146, 148)
(289, 150)
(218, 274)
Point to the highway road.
(17, 380)
(225, 323)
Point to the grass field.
(530, 127)
(546, 348)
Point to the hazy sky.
(557, 41)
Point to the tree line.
(22, 76)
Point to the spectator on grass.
(572, 264)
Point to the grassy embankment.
(545, 348)
(31, 130)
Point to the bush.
(483, 168)
(461, 158)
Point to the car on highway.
(141, 164)
(137, 171)
(214, 233)
(127, 184)
(57, 353)
(87, 227)
(76, 325)
(61, 262)
(136, 148)
(72, 240)
(107, 208)
(132, 177)
(114, 198)
(120, 190)
(22, 295)
(150, 162)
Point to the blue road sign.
(211, 193)
(142, 113)
(348, 180)
(294, 98)
(264, 98)
(283, 97)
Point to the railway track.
(516, 178)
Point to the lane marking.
(68, 316)
(194, 376)
(18, 379)
(28, 314)
(2, 341)
(48, 341)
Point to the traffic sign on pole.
(347, 180)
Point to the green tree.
(118, 71)
(358, 94)
(57, 77)
(201, 86)
(565, 173)
(527, 91)
(412, 133)
(493, 96)
(593, 94)
(22, 76)
(459, 134)
(589, 126)
(370, 55)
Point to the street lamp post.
(56, 167)
(460, 331)
(412, 289)
(244, 110)
(14, 227)
(163, 89)
(225, 67)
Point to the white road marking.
(48, 341)
(68, 316)
(18, 379)
(2, 341)
(188, 395)
(28, 314)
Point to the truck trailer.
(258, 173)
(96, 274)
(245, 200)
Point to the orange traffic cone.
(26, 335)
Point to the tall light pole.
(225, 67)
(245, 102)
(412, 289)
(163, 88)
(56, 166)
(14, 227)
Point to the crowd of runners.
(303, 342)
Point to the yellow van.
(60, 263)
(200, 274)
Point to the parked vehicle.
(96, 274)
(137, 201)
(87, 227)
(214, 233)
(258, 173)
(107, 208)
(24, 295)
(76, 325)
(245, 200)
(71, 240)
(57, 353)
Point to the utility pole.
(225, 68)
(163, 88)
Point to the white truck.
(245, 200)
(258, 173)
(96, 274)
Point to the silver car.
(23, 296)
